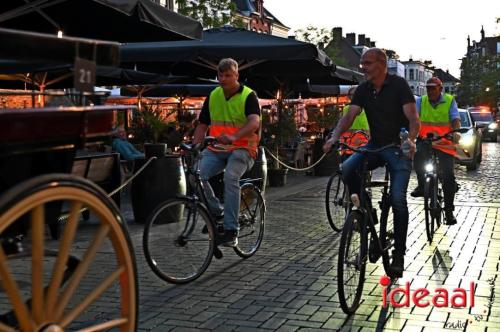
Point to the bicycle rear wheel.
(251, 219)
(352, 262)
(61, 285)
(429, 206)
(177, 246)
(336, 202)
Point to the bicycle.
(181, 236)
(361, 219)
(433, 191)
(337, 194)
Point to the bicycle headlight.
(493, 125)
(466, 140)
(429, 167)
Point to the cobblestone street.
(290, 283)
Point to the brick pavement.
(290, 284)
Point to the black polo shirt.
(251, 106)
(384, 110)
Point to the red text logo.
(422, 297)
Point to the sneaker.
(450, 218)
(397, 265)
(417, 192)
(230, 238)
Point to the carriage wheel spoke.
(62, 258)
(80, 271)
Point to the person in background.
(359, 133)
(121, 145)
(439, 114)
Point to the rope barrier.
(126, 183)
(293, 168)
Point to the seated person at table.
(126, 150)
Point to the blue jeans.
(235, 164)
(399, 168)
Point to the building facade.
(416, 74)
(450, 82)
(480, 72)
(257, 18)
(252, 13)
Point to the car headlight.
(466, 140)
(429, 167)
(493, 125)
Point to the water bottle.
(405, 145)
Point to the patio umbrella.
(120, 20)
(278, 60)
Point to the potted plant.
(326, 119)
(148, 127)
(164, 177)
(277, 131)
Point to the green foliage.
(211, 13)
(327, 119)
(278, 133)
(149, 124)
(479, 81)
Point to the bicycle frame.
(363, 206)
(370, 218)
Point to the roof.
(445, 76)
(348, 53)
(246, 8)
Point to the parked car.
(483, 118)
(469, 147)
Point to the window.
(411, 74)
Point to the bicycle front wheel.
(178, 240)
(429, 205)
(352, 262)
(336, 202)
(251, 219)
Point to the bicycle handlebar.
(431, 137)
(366, 151)
(196, 148)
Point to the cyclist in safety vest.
(354, 136)
(232, 114)
(438, 114)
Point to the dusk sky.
(425, 30)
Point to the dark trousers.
(399, 168)
(446, 172)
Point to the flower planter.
(162, 179)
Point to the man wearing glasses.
(438, 114)
(389, 105)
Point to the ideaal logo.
(422, 297)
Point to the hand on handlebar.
(327, 147)
(226, 139)
(456, 137)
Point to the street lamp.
(487, 89)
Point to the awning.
(118, 20)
